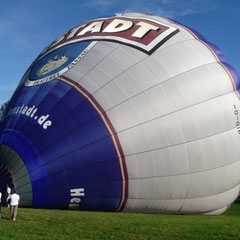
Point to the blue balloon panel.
(74, 152)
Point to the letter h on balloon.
(76, 194)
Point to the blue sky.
(28, 26)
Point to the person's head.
(14, 190)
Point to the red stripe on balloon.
(113, 135)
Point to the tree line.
(3, 109)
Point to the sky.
(28, 26)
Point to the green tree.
(3, 109)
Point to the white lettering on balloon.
(31, 112)
(76, 195)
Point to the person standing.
(8, 193)
(14, 201)
(0, 205)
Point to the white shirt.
(0, 196)
(8, 192)
(14, 199)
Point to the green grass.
(59, 224)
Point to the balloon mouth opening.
(5, 179)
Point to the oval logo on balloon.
(57, 62)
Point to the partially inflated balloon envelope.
(132, 113)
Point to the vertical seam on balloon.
(215, 56)
(113, 135)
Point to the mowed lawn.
(61, 224)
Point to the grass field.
(34, 224)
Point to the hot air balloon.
(132, 113)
